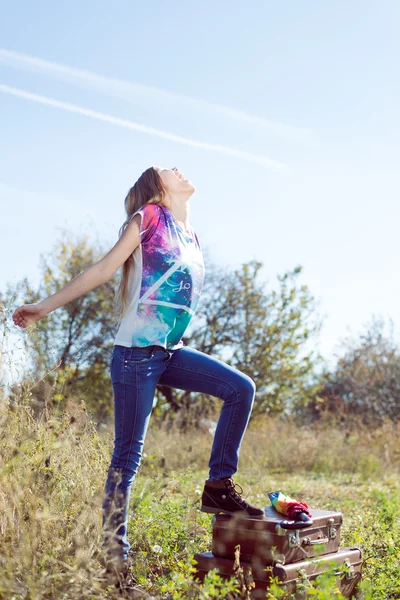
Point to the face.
(174, 181)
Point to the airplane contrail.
(126, 90)
(127, 124)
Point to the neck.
(179, 206)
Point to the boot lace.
(236, 494)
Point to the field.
(52, 475)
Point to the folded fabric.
(288, 506)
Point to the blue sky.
(284, 115)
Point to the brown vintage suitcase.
(269, 541)
(290, 575)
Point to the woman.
(161, 283)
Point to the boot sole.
(216, 511)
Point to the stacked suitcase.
(273, 549)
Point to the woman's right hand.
(28, 314)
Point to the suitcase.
(270, 541)
(290, 575)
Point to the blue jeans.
(135, 372)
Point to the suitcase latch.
(349, 573)
(332, 530)
(293, 535)
(294, 538)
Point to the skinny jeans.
(135, 373)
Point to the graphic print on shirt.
(174, 288)
(170, 266)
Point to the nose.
(178, 173)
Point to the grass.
(52, 473)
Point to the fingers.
(22, 324)
(18, 317)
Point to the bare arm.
(86, 281)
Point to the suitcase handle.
(302, 522)
(309, 542)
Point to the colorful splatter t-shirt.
(165, 283)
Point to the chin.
(191, 186)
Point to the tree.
(366, 379)
(263, 332)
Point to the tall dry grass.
(53, 470)
(50, 478)
(274, 445)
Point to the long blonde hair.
(148, 189)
